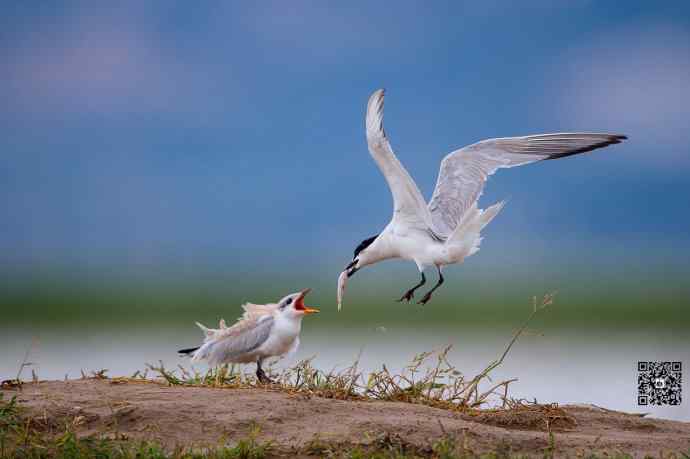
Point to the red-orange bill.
(300, 306)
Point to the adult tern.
(447, 229)
(265, 330)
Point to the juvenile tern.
(264, 330)
(447, 229)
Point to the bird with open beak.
(263, 331)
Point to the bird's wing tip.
(377, 97)
(616, 138)
(374, 118)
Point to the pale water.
(559, 366)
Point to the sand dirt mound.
(202, 416)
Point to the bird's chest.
(415, 245)
(282, 336)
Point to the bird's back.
(236, 344)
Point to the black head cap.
(364, 244)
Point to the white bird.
(264, 330)
(447, 229)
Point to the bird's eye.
(285, 303)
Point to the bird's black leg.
(263, 379)
(410, 293)
(427, 297)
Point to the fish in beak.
(342, 283)
(343, 278)
(299, 303)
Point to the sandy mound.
(201, 416)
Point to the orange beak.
(299, 304)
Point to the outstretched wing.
(464, 171)
(230, 344)
(408, 204)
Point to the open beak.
(299, 304)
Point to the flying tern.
(264, 330)
(447, 229)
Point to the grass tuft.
(22, 437)
(429, 379)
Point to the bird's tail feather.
(489, 213)
(188, 351)
(475, 219)
(484, 218)
(467, 234)
(198, 353)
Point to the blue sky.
(154, 133)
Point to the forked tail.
(468, 231)
(489, 213)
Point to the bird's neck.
(289, 325)
(379, 250)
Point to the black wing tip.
(612, 139)
(188, 351)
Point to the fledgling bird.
(447, 229)
(263, 331)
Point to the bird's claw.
(407, 296)
(263, 379)
(424, 300)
